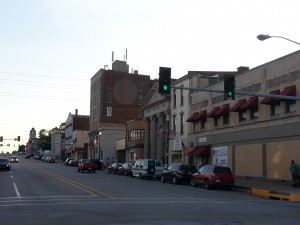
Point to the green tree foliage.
(45, 139)
(21, 148)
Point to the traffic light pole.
(285, 97)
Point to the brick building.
(116, 97)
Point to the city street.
(35, 192)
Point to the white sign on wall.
(220, 156)
(177, 144)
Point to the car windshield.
(222, 170)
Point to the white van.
(148, 168)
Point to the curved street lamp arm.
(286, 39)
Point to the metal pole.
(295, 98)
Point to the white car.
(147, 168)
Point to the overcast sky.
(50, 49)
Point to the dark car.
(178, 173)
(113, 168)
(4, 164)
(67, 161)
(98, 162)
(213, 176)
(27, 156)
(73, 162)
(125, 169)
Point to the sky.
(50, 49)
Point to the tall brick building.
(116, 97)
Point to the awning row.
(243, 104)
(199, 150)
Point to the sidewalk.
(273, 189)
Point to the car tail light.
(180, 172)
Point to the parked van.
(148, 168)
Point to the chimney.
(242, 69)
(76, 112)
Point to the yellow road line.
(78, 185)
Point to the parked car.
(4, 164)
(125, 169)
(73, 162)
(85, 164)
(178, 173)
(148, 168)
(113, 168)
(50, 159)
(27, 156)
(14, 159)
(67, 161)
(98, 162)
(212, 176)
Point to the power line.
(33, 75)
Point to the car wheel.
(229, 188)
(94, 171)
(82, 171)
(206, 185)
(78, 170)
(174, 180)
(141, 176)
(162, 179)
(193, 182)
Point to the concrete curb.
(274, 195)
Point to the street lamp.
(263, 37)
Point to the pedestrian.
(294, 171)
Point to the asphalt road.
(35, 192)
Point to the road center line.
(78, 185)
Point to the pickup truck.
(85, 164)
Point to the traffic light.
(229, 88)
(19, 138)
(1, 138)
(164, 80)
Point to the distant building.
(32, 146)
(56, 141)
(76, 136)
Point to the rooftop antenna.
(112, 56)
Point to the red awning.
(199, 150)
(200, 116)
(289, 91)
(252, 103)
(270, 100)
(190, 119)
(237, 106)
(212, 112)
(224, 110)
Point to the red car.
(213, 176)
(85, 164)
(125, 169)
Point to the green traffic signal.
(230, 93)
(164, 80)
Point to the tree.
(44, 139)
(21, 148)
